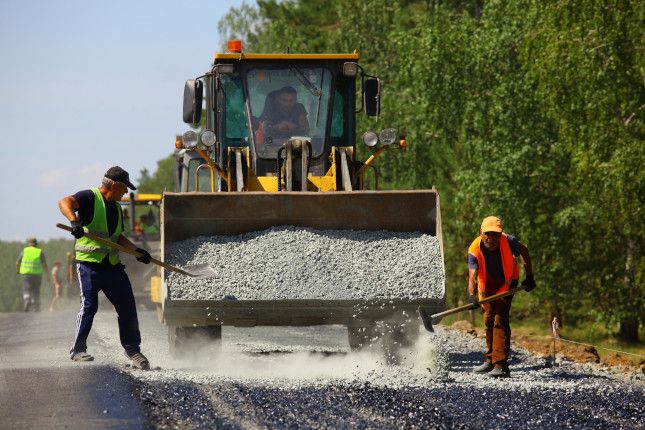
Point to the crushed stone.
(301, 263)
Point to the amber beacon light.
(234, 46)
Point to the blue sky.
(85, 85)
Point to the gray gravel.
(266, 378)
(301, 263)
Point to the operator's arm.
(18, 261)
(526, 259)
(46, 270)
(144, 256)
(303, 124)
(529, 281)
(472, 281)
(68, 206)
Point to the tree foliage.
(530, 110)
(162, 178)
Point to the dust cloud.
(261, 361)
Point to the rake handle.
(126, 250)
(473, 306)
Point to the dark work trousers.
(31, 292)
(115, 284)
(498, 331)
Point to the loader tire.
(360, 337)
(397, 338)
(188, 342)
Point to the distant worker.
(493, 269)
(283, 116)
(30, 265)
(70, 275)
(148, 226)
(98, 266)
(56, 280)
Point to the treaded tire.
(360, 337)
(184, 342)
(398, 336)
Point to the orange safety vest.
(510, 266)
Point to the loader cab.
(256, 103)
(264, 103)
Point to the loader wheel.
(189, 342)
(360, 337)
(396, 338)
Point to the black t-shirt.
(85, 213)
(85, 209)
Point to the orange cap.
(491, 223)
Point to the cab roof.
(251, 57)
(143, 198)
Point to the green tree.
(162, 179)
(529, 110)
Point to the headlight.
(350, 68)
(370, 139)
(388, 136)
(189, 138)
(224, 69)
(208, 138)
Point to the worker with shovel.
(493, 269)
(98, 266)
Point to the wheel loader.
(254, 164)
(137, 210)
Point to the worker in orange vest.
(493, 269)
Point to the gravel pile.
(302, 263)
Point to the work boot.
(82, 356)
(139, 360)
(483, 368)
(500, 372)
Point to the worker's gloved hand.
(529, 283)
(472, 300)
(145, 256)
(77, 229)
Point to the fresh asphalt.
(297, 377)
(40, 387)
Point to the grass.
(588, 332)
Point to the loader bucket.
(186, 215)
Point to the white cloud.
(84, 177)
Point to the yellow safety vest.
(30, 263)
(90, 250)
(149, 229)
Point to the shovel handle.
(126, 250)
(473, 306)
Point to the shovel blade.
(426, 320)
(201, 271)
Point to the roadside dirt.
(542, 346)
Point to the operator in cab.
(282, 116)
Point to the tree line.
(529, 110)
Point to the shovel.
(199, 271)
(428, 320)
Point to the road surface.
(291, 378)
